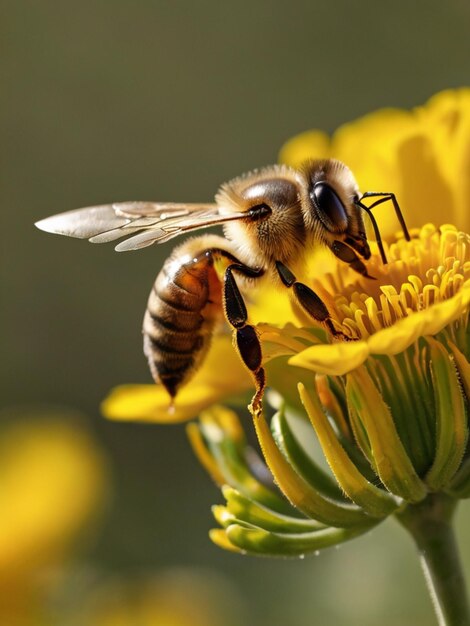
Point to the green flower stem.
(430, 524)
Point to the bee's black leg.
(347, 254)
(247, 340)
(308, 299)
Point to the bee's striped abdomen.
(183, 306)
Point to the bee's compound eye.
(329, 207)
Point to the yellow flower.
(408, 350)
(389, 409)
(422, 155)
(52, 485)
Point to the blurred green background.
(156, 100)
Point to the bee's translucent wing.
(146, 222)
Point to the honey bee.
(271, 219)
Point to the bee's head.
(290, 211)
(329, 204)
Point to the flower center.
(430, 268)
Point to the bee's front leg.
(247, 340)
(310, 302)
(347, 255)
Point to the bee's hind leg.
(310, 302)
(247, 340)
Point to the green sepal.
(331, 393)
(404, 383)
(373, 500)
(264, 543)
(388, 455)
(360, 434)
(303, 464)
(459, 486)
(229, 455)
(243, 508)
(220, 539)
(203, 454)
(463, 368)
(222, 515)
(303, 496)
(451, 418)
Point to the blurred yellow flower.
(174, 597)
(53, 483)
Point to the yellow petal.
(221, 376)
(447, 121)
(368, 146)
(390, 150)
(422, 155)
(312, 144)
(337, 358)
(340, 358)
(429, 321)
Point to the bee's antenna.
(376, 230)
(384, 196)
